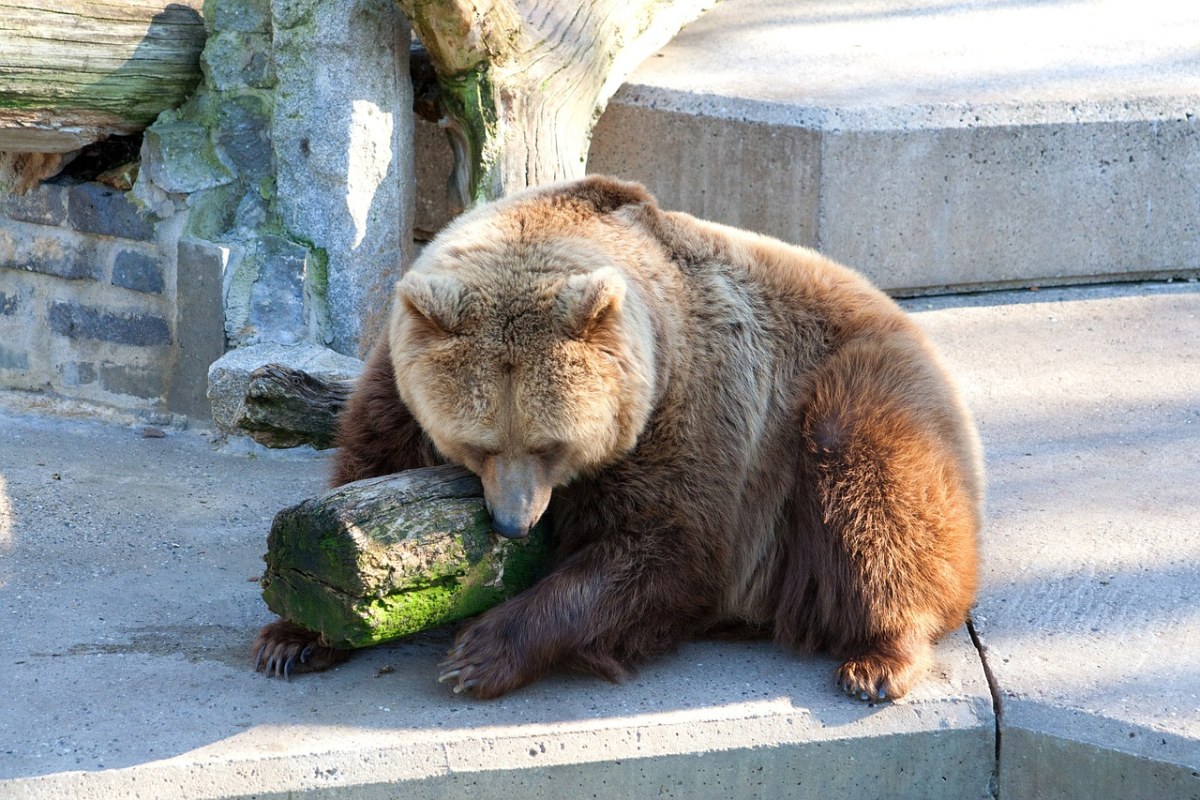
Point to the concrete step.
(927, 143)
(126, 584)
(1088, 401)
(128, 604)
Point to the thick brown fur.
(739, 435)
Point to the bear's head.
(524, 348)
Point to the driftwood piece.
(385, 557)
(287, 407)
(73, 72)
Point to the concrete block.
(979, 205)
(45, 204)
(1086, 400)
(139, 271)
(49, 251)
(159, 559)
(759, 176)
(901, 140)
(13, 359)
(146, 382)
(79, 321)
(1049, 767)
(95, 208)
(199, 323)
(229, 376)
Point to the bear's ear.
(590, 302)
(607, 194)
(436, 304)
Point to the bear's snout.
(517, 493)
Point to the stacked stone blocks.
(292, 155)
(86, 309)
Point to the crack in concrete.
(997, 706)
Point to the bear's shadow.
(394, 686)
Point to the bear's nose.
(517, 493)
(508, 529)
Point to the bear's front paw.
(284, 647)
(484, 660)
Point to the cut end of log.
(288, 407)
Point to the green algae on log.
(382, 558)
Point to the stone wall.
(273, 208)
(295, 156)
(89, 302)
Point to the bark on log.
(523, 82)
(73, 72)
(288, 407)
(385, 557)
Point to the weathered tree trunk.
(523, 82)
(73, 72)
(386, 557)
(288, 407)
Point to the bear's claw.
(882, 676)
(283, 648)
(481, 661)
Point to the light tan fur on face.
(551, 357)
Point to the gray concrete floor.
(127, 594)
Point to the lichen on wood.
(386, 557)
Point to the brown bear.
(729, 433)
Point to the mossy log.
(385, 557)
(73, 72)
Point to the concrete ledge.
(1089, 405)
(929, 144)
(127, 569)
(127, 581)
(901, 137)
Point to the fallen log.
(288, 407)
(73, 72)
(385, 557)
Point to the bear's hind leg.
(284, 648)
(888, 494)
